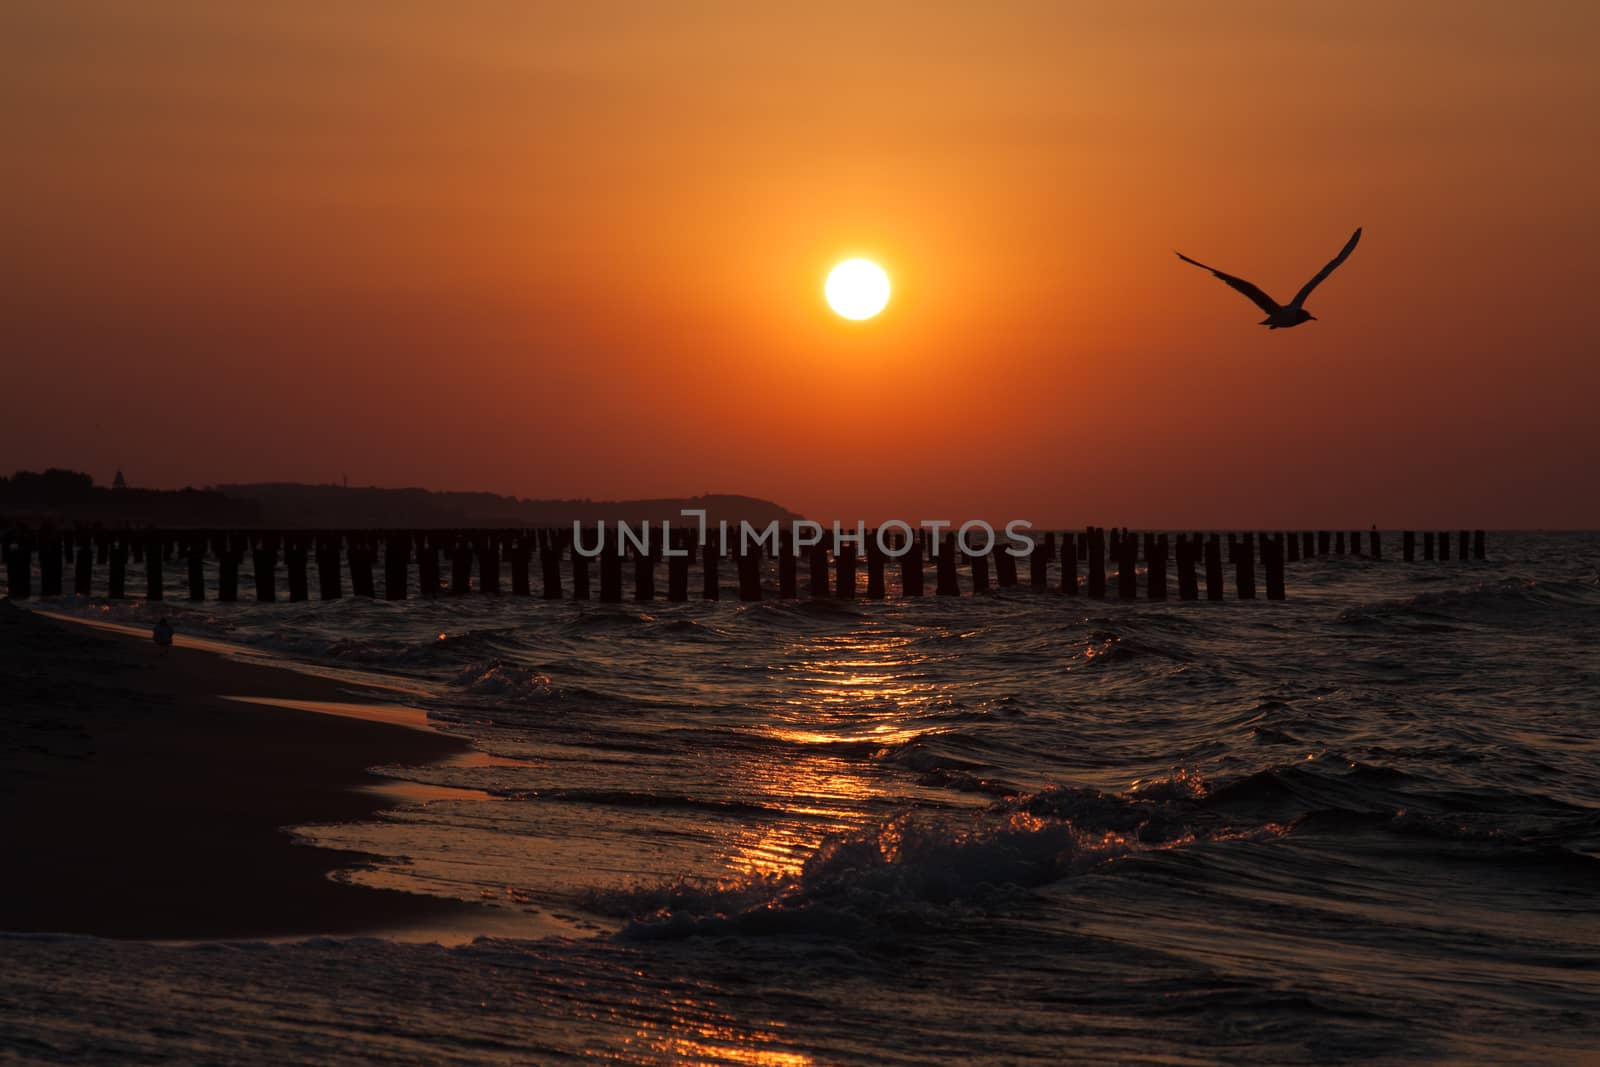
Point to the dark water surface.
(1360, 825)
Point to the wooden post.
(1214, 568)
(1127, 567)
(911, 569)
(296, 552)
(1443, 542)
(1097, 562)
(1245, 569)
(1292, 542)
(980, 574)
(1323, 541)
(844, 569)
(359, 555)
(1427, 544)
(1155, 554)
(1308, 546)
(264, 560)
(678, 567)
(1478, 548)
(1408, 545)
(610, 573)
(427, 566)
(118, 558)
(710, 583)
(550, 547)
(488, 552)
(83, 567)
(153, 577)
(788, 565)
(195, 553)
(1338, 543)
(580, 569)
(644, 576)
(1039, 562)
(819, 572)
(1272, 562)
(1069, 562)
(748, 562)
(1005, 568)
(947, 582)
(875, 562)
(49, 563)
(460, 566)
(520, 547)
(228, 554)
(329, 587)
(396, 557)
(1188, 584)
(19, 566)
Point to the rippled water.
(1362, 824)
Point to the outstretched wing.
(1305, 290)
(1263, 301)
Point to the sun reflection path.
(696, 1029)
(841, 699)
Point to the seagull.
(1282, 315)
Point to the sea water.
(1361, 825)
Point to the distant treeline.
(67, 497)
(290, 505)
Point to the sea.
(1360, 825)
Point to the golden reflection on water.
(844, 689)
(697, 1033)
(818, 791)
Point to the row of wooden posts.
(1197, 557)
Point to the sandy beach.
(135, 801)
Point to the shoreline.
(141, 798)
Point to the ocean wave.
(911, 869)
(629, 798)
(920, 867)
(1502, 602)
(1154, 811)
(928, 753)
(506, 682)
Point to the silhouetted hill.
(290, 504)
(66, 497)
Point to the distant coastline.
(65, 498)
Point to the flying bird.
(1282, 315)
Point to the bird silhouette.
(1282, 316)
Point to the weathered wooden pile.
(445, 562)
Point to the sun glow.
(857, 289)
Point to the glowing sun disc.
(857, 289)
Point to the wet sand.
(137, 800)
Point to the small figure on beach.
(162, 635)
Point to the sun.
(857, 289)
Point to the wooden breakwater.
(1093, 562)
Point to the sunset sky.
(577, 250)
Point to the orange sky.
(578, 250)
